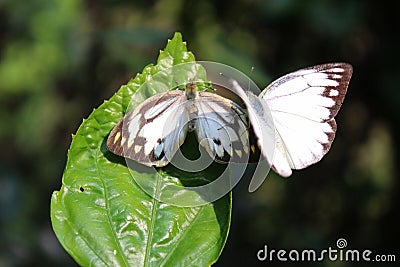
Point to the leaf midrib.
(152, 223)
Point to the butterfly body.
(191, 96)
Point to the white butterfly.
(152, 132)
(302, 105)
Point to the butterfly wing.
(262, 131)
(153, 131)
(303, 105)
(221, 128)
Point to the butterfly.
(297, 111)
(152, 132)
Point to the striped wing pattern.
(221, 128)
(152, 132)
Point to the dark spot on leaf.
(81, 189)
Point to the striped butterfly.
(152, 132)
(298, 110)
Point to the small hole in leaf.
(81, 189)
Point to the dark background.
(60, 59)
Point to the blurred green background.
(59, 59)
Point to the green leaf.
(102, 217)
